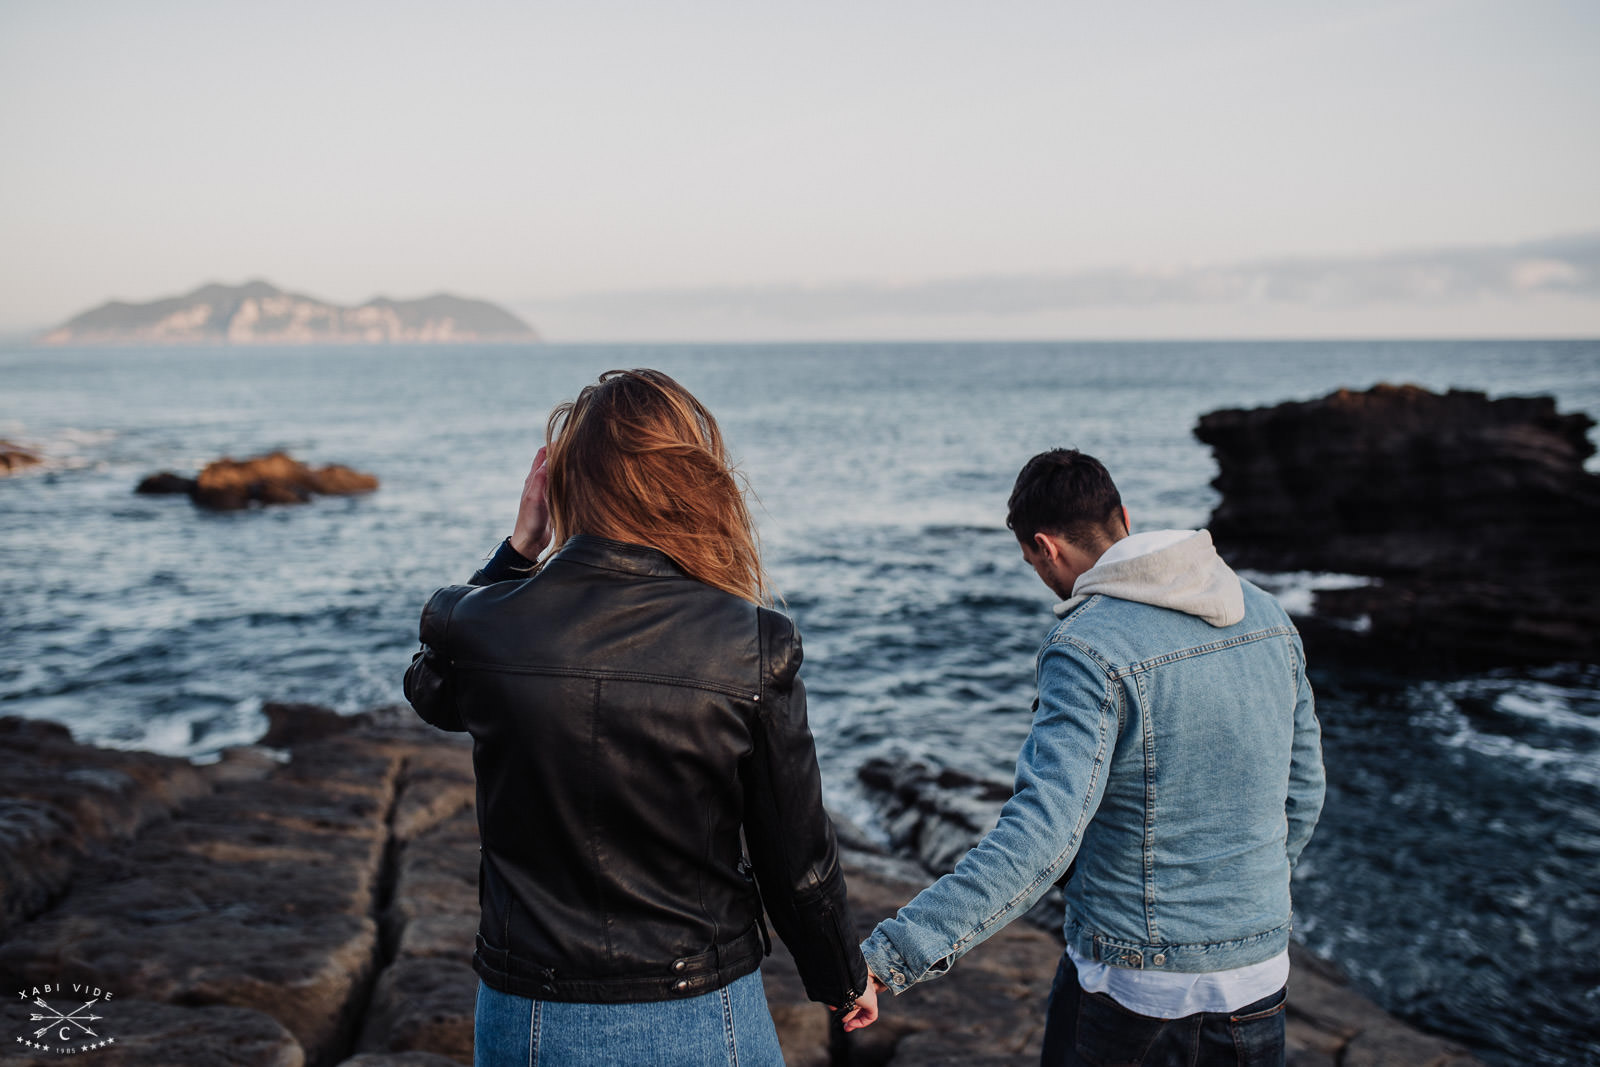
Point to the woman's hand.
(865, 1013)
(532, 532)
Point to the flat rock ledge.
(312, 900)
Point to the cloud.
(1566, 267)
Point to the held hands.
(532, 532)
(865, 1012)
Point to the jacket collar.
(592, 551)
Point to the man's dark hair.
(1067, 493)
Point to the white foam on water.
(1296, 590)
(1440, 714)
(1545, 703)
(83, 438)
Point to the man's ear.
(1047, 546)
(1127, 523)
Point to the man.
(1173, 771)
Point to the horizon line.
(10, 340)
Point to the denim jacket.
(1174, 755)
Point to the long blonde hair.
(637, 458)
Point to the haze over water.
(1454, 874)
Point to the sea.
(1455, 875)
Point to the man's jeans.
(1092, 1030)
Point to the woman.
(633, 709)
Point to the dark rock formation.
(1477, 514)
(14, 457)
(320, 910)
(273, 478)
(1397, 479)
(165, 482)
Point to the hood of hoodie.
(1176, 569)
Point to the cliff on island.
(1476, 517)
(312, 900)
(260, 313)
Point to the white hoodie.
(1177, 569)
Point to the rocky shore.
(311, 900)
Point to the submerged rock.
(273, 478)
(1477, 514)
(932, 814)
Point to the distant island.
(261, 313)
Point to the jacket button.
(1158, 959)
(681, 984)
(677, 968)
(896, 977)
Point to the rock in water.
(1477, 513)
(933, 814)
(13, 457)
(338, 480)
(273, 478)
(164, 482)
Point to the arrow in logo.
(56, 1017)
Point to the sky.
(710, 170)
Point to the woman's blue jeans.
(1093, 1029)
(730, 1025)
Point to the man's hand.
(865, 1012)
(532, 532)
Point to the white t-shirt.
(1174, 994)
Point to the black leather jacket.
(627, 722)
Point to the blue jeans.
(729, 1025)
(1094, 1030)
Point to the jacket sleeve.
(505, 564)
(428, 684)
(790, 837)
(1307, 779)
(1061, 779)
